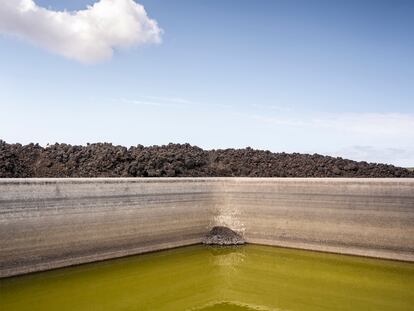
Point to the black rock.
(181, 160)
(223, 236)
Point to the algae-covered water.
(250, 277)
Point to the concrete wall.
(50, 223)
(368, 217)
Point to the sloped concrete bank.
(51, 223)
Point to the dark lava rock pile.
(176, 160)
(223, 236)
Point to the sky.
(328, 77)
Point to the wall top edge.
(201, 179)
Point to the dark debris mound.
(176, 160)
(223, 236)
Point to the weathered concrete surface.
(367, 217)
(50, 223)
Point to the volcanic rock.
(176, 160)
(223, 236)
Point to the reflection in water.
(249, 277)
(231, 306)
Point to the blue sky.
(332, 77)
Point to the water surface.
(250, 277)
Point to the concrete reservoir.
(50, 223)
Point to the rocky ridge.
(177, 160)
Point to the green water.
(251, 277)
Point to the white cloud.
(171, 102)
(400, 156)
(90, 35)
(378, 124)
(177, 100)
(161, 102)
(371, 137)
(384, 125)
(141, 102)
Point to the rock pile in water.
(176, 160)
(223, 236)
